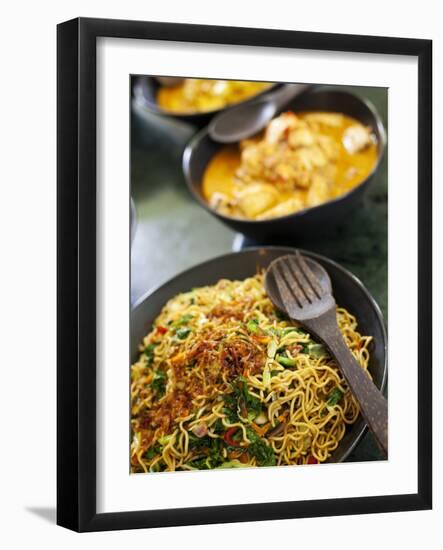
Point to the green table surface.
(173, 232)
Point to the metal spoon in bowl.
(247, 119)
(302, 289)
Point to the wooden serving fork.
(302, 289)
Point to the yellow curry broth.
(199, 95)
(220, 177)
(346, 172)
(195, 95)
(363, 161)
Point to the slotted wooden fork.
(302, 289)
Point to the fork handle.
(373, 404)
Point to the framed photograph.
(244, 274)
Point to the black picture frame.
(76, 277)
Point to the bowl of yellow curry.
(307, 170)
(194, 100)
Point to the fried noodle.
(224, 380)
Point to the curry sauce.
(299, 161)
(195, 95)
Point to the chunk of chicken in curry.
(299, 161)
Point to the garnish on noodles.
(224, 380)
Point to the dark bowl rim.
(190, 148)
(191, 116)
(348, 275)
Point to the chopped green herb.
(150, 453)
(183, 333)
(258, 448)
(334, 397)
(164, 440)
(201, 463)
(232, 464)
(218, 427)
(215, 453)
(214, 458)
(316, 350)
(158, 466)
(253, 404)
(231, 414)
(252, 325)
(198, 442)
(286, 361)
(158, 384)
(149, 352)
(240, 404)
(182, 321)
(230, 400)
(298, 330)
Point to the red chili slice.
(162, 330)
(312, 460)
(228, 437)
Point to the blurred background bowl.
(202, 148)
(145, 93)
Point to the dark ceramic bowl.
(145, 93)
(349, 292)
(201, 149)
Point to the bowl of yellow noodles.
(221, 379)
